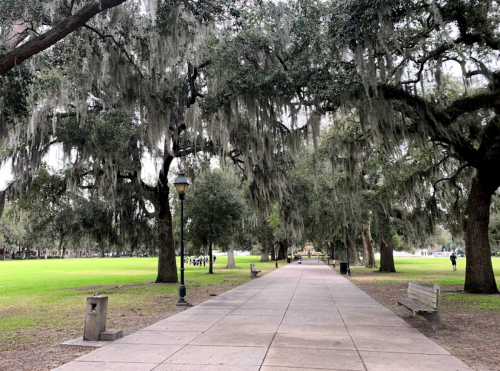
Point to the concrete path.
(298, 318)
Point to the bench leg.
(434, 319)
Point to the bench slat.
(415, 306)
(423, 299)
(425, 295)
(421, 288)
(423, 291)
(422, 294)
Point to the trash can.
(288, 260)
(343, 267)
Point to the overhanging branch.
(57, 33)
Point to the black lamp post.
(181, 184)
(275, 257)
(348, 272)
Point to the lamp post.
(348, 272)
(275, 256)
(181, 184)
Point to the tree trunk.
(264, 250)
(167, 267)
(386, 257)
(282, 252)
(273, 250)
(353, 251)
(230, 255)
(369, 259)
(211, 262)
(265, 242)
(479, 276)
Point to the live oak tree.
(398, 49)
(137, 63)
(146, 71)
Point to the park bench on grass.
(424, 300)
(253, 271)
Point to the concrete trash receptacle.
(95, 317)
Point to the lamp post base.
(181, 301)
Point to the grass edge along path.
(47, 298)
(430, 271)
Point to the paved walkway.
(298, 318)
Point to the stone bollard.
(95, 317)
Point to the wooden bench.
(253, 271)
(424, 300)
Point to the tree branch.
(436, 120)
(120, 46)
(452, 179)
(57, 33)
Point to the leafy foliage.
(213, 209)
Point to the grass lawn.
(431, 271)
(40, 295)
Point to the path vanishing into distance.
(298, 318)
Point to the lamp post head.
(181, 184)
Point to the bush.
(53, 257)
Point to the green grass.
(433, 271)
(428, 270)
(47, 294)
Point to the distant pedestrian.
(215, 258)
(453, 259)
(318, 258)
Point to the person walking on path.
(453, 259)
